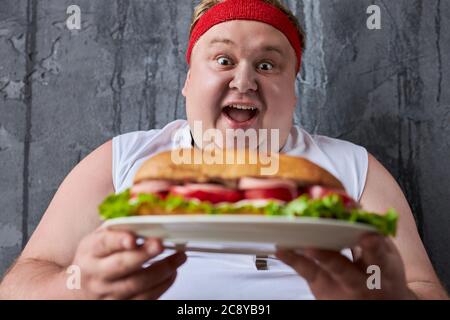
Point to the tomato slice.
(284, 194)
(162, 194)
(203, 194)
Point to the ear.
(186, 83)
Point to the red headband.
(257, 10)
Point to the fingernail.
(127, 243)
(153, 248)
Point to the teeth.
(238, 106)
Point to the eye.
(224, 61)
(265, 66)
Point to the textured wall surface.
(62, 93)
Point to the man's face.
(242, 63)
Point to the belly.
(235, 276)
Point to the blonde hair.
(205, 5)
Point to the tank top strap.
(131, 149)
(347, 161)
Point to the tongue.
(239, 115)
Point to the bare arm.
(405, 272)
(109, 263)
(382, 192)
(40, 271)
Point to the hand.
(111, 266)
(330, 275)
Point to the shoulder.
(91, 177)
(381, 189)
(75, 200)
(98, 162)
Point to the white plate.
(244, 230)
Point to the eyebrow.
(222, 40)
(267, 48)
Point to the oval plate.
(285, 232)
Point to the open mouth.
(240, 113)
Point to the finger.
(305, 267)
(105, 242)
(356, 253)
(148, 278)
(124, 263)
(157, 291)
(338, 267)
(374, 249)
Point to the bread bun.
(300, 170)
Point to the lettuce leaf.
(331, 207)
(116, 205)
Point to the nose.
(244, 79)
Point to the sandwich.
(299, 188)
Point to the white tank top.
(227, 276)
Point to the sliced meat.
(317, 192)
(258, 183)
(151, 186)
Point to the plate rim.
(231, 218)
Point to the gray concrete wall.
(62, 93)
